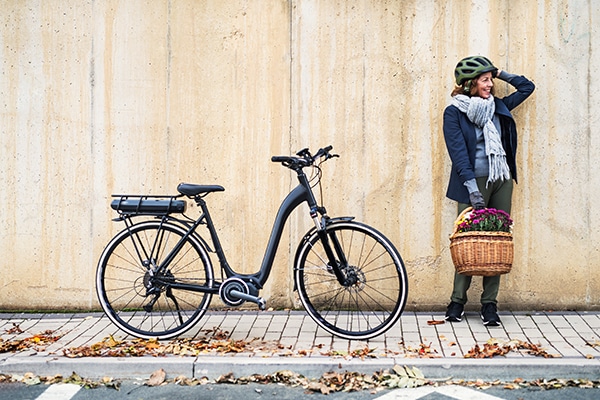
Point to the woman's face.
(484, 85)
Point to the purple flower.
(486, 219)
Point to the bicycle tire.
(125, 286)
(365, 309)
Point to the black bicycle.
(155, 278)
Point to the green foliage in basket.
(485, 219)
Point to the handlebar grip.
(323, 152)
(305, 159)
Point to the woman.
(481, 137)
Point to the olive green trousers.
(497, 195)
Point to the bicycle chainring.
(229, 285)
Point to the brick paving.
(290, 339)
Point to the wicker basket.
(481, 253)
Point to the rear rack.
(147, 205)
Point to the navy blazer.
(461, 139)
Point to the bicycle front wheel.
(371, 301)
(143, 300)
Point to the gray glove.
(476, 199)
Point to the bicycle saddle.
(189, 189)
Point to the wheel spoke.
(127, 283)
(376, 294)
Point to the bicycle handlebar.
(304, 158)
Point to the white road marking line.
(59, 391)
(408, 394)
(455, 392)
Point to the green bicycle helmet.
(471, 67)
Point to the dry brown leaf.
(16, 329)
(36, 342)
(436, 322)
(157, 378)
(494, 348)
(227, 378)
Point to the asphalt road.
(132, 390)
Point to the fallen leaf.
(436, 322)
(227, 378)
(493, 348)
(157, 378)
(15, 329)
(36, 342)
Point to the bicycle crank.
(235, 292)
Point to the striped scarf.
(480, 112)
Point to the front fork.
(337, 264)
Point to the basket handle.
(455, 229)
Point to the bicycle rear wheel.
(142, 301)
(376, 296)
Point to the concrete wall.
(130, 96)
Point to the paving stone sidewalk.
(291, 340)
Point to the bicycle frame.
(300, 194)
(296, 197)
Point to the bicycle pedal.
(262, 304)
